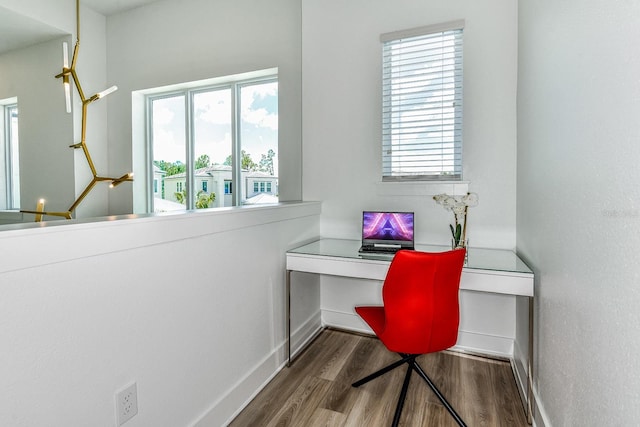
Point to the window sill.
(10, 215)
(422, 188)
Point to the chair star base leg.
(405, 359)
(432, 386)
(410, 360)
(403, 396)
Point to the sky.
(212, 123)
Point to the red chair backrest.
(420, 295)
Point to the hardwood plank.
(326, 418)
(316, 390)
(301, 404)
(342, 395)
(340, 355)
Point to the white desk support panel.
(486, 270)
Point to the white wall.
(342, 141)
(175, 42)
(165, 301)
(342, 119)
(579, 204)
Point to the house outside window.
(422, 103)
(9, 156)
(193, 138)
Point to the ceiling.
(18, 31)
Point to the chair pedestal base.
(410, 360)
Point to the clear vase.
(462, 244)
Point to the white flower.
(439, 198)
(450, 203)
(470, 199)
(458, 205)
(459, 209)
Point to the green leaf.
(456, 233)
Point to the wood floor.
(316, 390)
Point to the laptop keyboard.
(372, 250)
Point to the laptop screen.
(387, 228)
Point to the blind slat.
(422, 104)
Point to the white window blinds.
(422, 103)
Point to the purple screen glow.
(387, 226)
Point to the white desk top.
(477, 258)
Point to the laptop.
(386, 232)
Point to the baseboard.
(471, 342)
(540, 418)
(228, 406)
(490, 345)
(520, 372)
(305, 333)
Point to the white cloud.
(166, 146)
(214, 107)
(260, 118)
(162, 116)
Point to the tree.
(181, 196)
(203, 200)
(203, 162)
(266, 162)
(171, 168)
(247, 163)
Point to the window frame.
(11, 199)
(189, 91)
(392, 127)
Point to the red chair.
(420, 314)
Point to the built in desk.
(485, 270)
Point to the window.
(9, 160)
(261, 186)
(422, 103)
(225, 130)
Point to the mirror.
(31, 54)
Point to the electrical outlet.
(126, 404)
